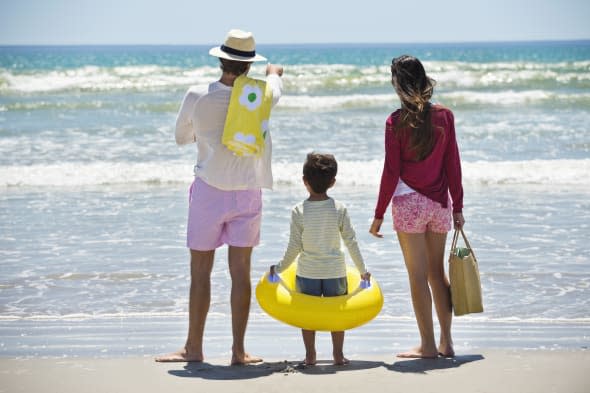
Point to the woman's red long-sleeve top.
(435, 176)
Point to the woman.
(422, 167)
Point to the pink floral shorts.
(415, 213)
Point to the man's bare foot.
(243, 360)
(341, 361)
(181, 356)
(418, 353)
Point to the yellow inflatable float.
(281, 301)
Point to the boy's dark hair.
(319, 171)
(234, 67)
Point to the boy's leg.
(313, 287)
(309, 342)
(336, 287)
(338, 349)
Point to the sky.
(180, 22)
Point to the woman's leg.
(440, 287)
(413, 247)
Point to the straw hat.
(239, 46)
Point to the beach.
(487, 371)
(93, 206)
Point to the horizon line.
(570, 40)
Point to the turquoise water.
(63, 57)
(93, 192)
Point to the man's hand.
(274, 69)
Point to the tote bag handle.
(456, 237)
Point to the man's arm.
(185, 133)
(273, 79)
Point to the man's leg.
(199, 299)
(241, 291)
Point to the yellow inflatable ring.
(282, 302)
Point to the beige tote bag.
(464, 277)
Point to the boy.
(317, 225)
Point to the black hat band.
(237, 52)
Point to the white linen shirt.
(201, 119)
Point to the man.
(225, 198)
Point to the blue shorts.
(322, 287)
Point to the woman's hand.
(375, 227)
(458, 220)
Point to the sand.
(481, 371)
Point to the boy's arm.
(295, 245)
(349, 238)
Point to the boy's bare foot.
(418, 353)
(310, 360)
(341, 361)
(243, 360)
(181, 356)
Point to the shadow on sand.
(421, 366)
(252, 371)
(217, 372)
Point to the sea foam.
(351, 173)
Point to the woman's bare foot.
(237, 360)
(181, 356)
(418, 353)
(446, 351)
(341, 361)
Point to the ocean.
(93, 193)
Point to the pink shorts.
(416, 213)
(218, 217)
